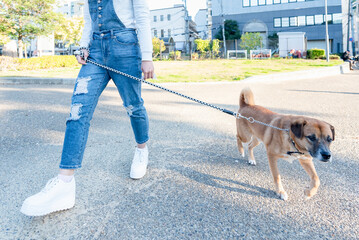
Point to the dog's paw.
(252, 162)
(283, 196)
(308, 194)
(243, 155)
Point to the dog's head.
(314, 137)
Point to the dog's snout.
(326, 156)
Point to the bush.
(315, 53)
(334, 57)
(178, 55)
(195, 56)
(45, 62)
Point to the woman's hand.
(147, 69)
(80, 59)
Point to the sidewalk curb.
(300, 75)
(268, 78)
(36, 80)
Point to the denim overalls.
(116, 46)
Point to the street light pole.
(223, 32)
(326, 29)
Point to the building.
(71, 8)
(169, 24)
(201, 22)
(269, 17)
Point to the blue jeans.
(118, 49)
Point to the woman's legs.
(90, 83)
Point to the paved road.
(197, 186)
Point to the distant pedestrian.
(117, 34)
(347, 58)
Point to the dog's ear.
(298, 128)
(333, 131)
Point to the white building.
(71, 8)
(201, 22)
(169, 24)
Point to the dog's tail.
(246, 97)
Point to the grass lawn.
(200, 71)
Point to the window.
(161, 17)
(276, 1)
(155, 33)
(300, 0)
(284, 1)
(162, 33)
(337, 18)
(310, 20)
(155, 18)
(169, 32)
(277, 22)
(245, 3)
(318, 19)
(293, 21)
(169, 17)
(285, 22)
(292, 0)
(254, 3)
(301, 20)
(330, 19)
(261, 2)
(269, 2)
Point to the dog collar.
(297, 152)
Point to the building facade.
(71, 8)
(269, 17)
(169, 24)
(201, 22)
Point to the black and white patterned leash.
(236, 115)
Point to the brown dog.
(305, 139)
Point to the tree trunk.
(20, 47)
(25, 50)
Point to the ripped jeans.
(117, 49)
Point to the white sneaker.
(57, 195)
(139, 163)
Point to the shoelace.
(140, 159)
(50, 184)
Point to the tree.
(4, 39)
(27, 19)
(215, 47)
(250, 41)
(273, 41)
(203, 46)
(69, 30)
(231, 31)
(158, 46)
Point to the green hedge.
(315, 53)
(45, 62)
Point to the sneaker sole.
(30, 211)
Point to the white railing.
(237, 54)
(260, 54)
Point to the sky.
(192, 5)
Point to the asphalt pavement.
(197, 185)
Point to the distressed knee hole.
(81, 87)
(129, 110)
(75, 112)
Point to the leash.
(236, 115)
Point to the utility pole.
(326, 29)
(223, 30)
(353, 25)
(349, 7)
(187, 26)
